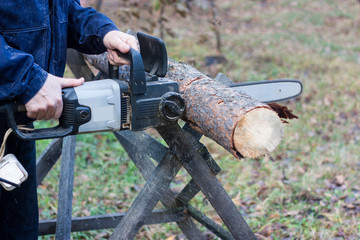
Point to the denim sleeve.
(20, 76)
(87, 28)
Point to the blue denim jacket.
(34, 36)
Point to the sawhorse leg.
(66, 182)
(48, 159)
(135, 144)
(145, 202)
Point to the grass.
(309, 187)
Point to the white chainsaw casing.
(103, 98)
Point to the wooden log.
(242, 125)
(234, 120)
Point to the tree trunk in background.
(215, 26)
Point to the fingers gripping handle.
(137, 71)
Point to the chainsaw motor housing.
(92, 107)
(107, 105)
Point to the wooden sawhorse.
(184, 150)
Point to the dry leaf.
(339, 180)
(274, 215)
(101, 236)
(292, 213)
(173, 237)
(266, 231)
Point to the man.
(34, 36)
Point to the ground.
(308, 188)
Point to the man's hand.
(120, 41)
(47, 103)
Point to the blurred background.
(309, 187)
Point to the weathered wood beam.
(48, 159)
(77, 64)
(79, 224)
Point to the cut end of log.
(257, 133)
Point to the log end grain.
(257, 133)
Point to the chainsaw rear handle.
(73, 115)
(10, 108)
(137, 82)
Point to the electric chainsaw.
(146, 100)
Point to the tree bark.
(242, 125)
